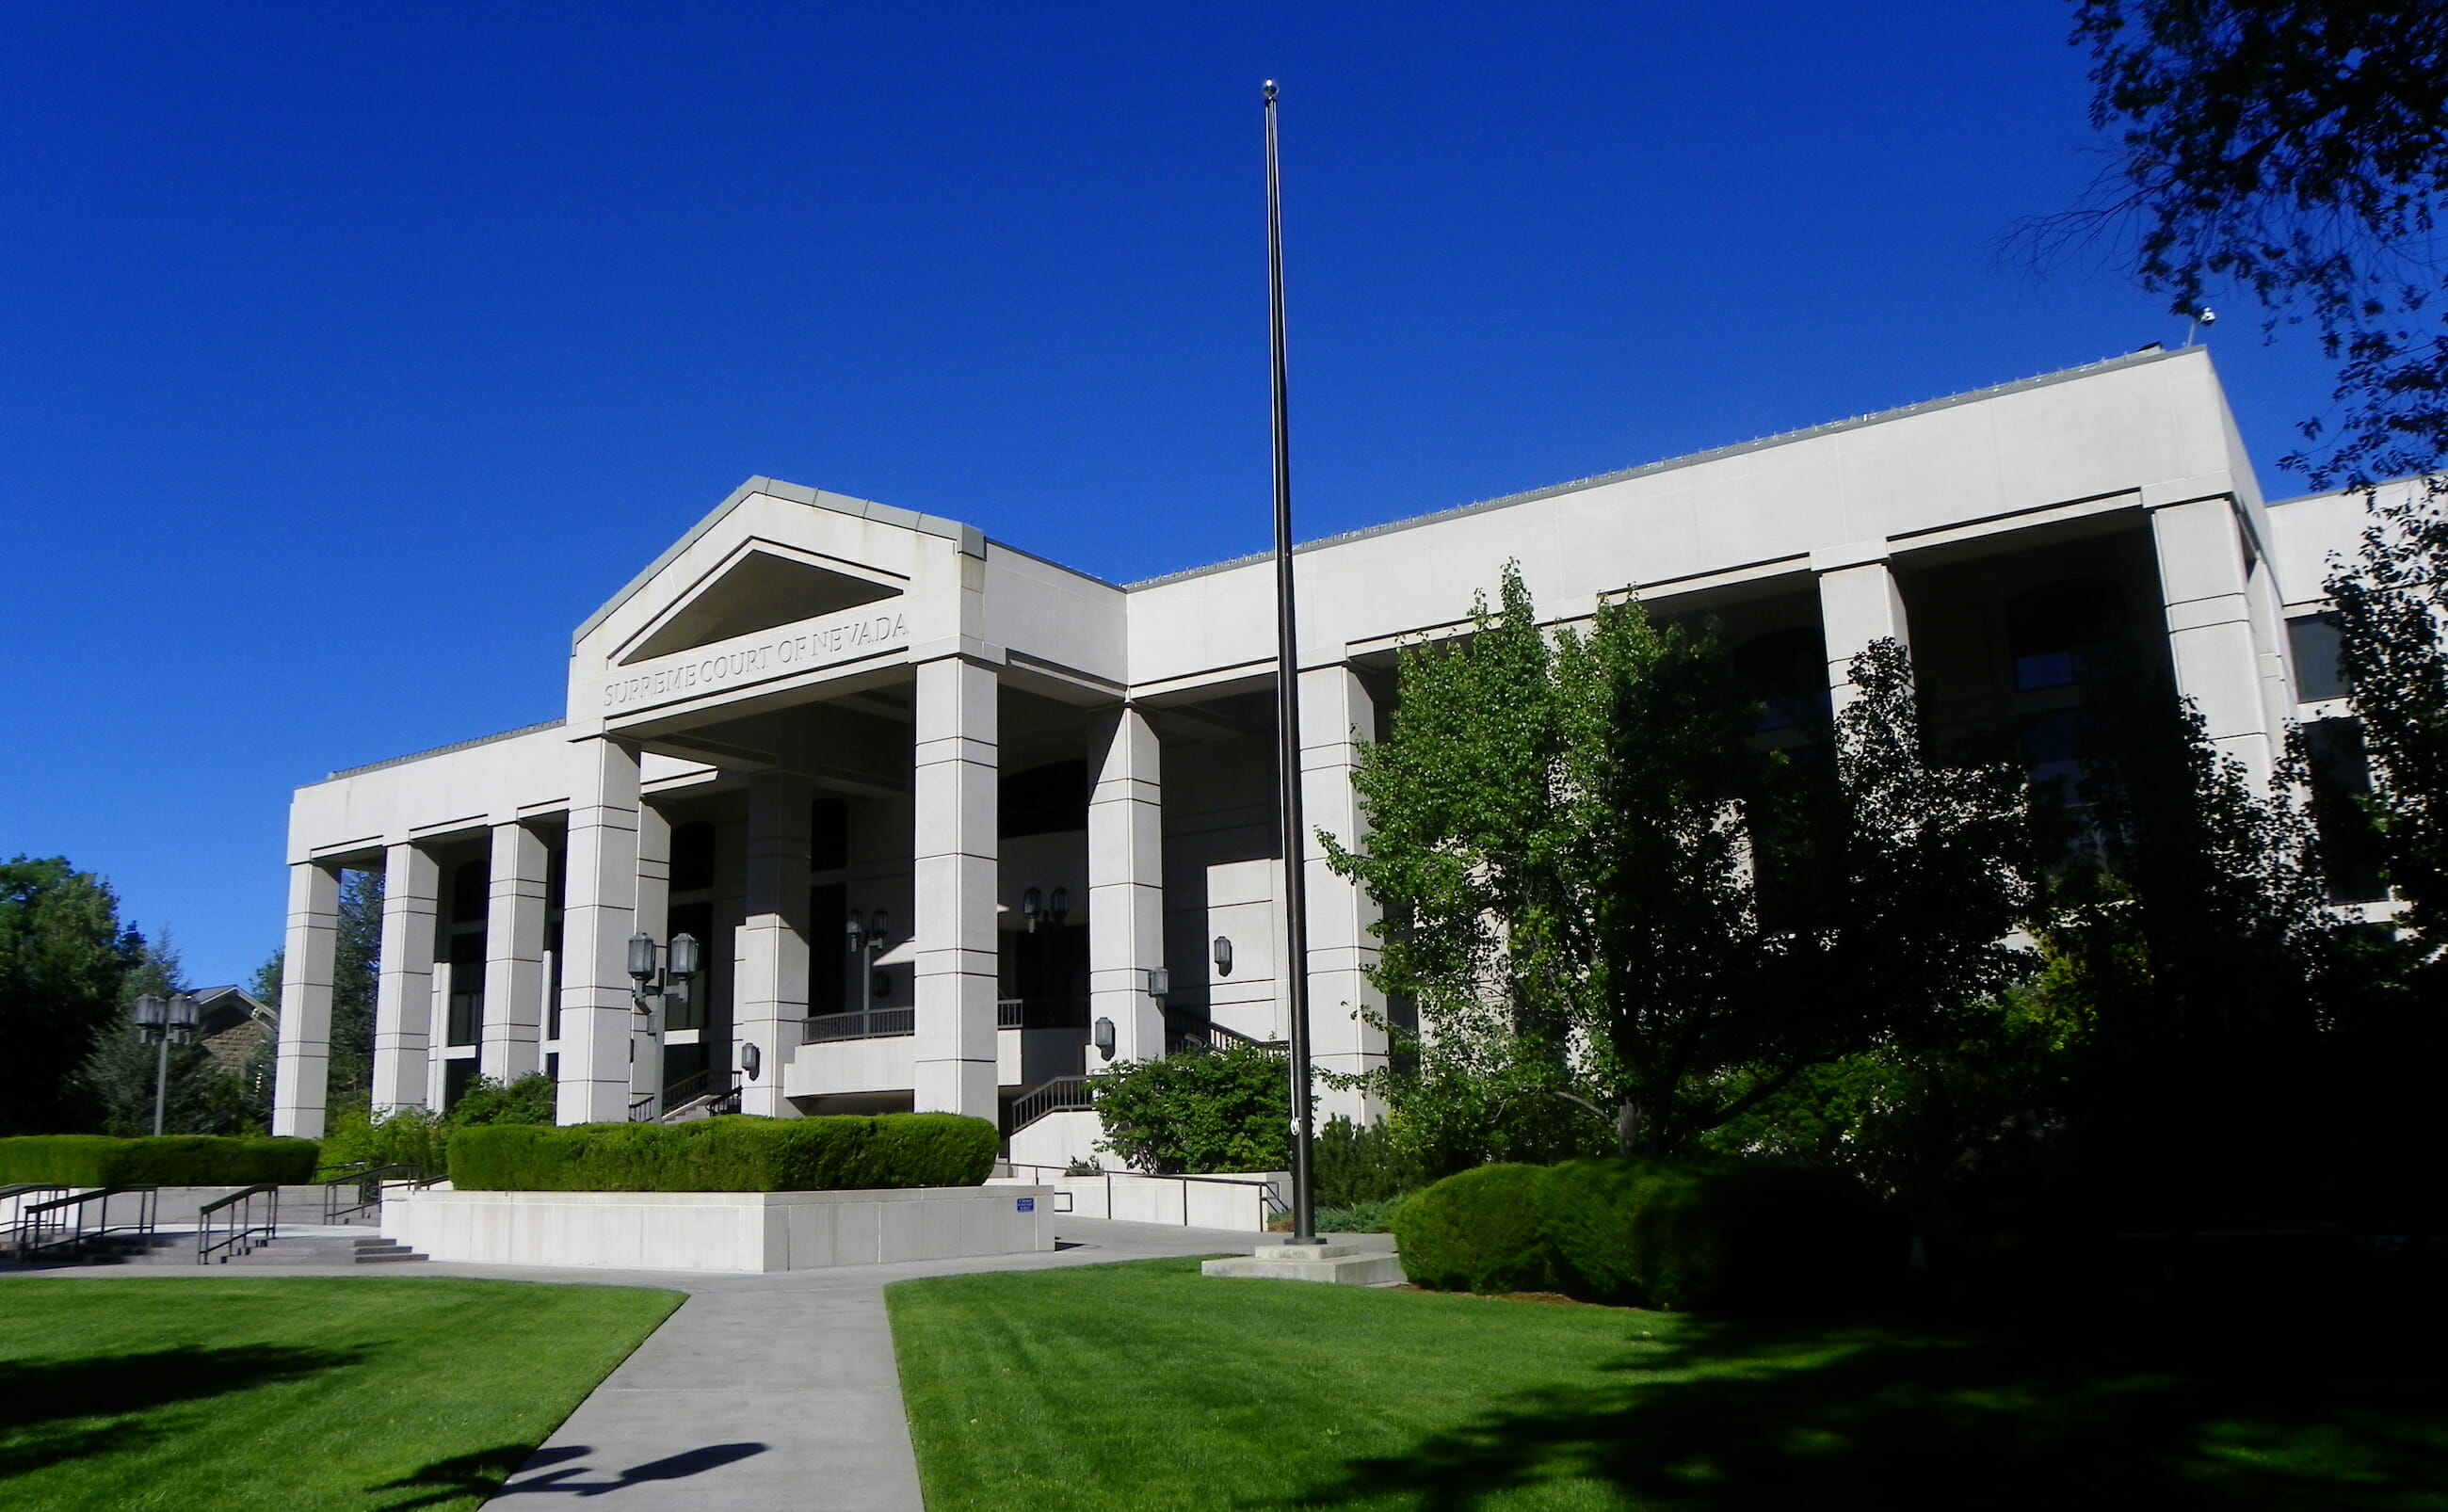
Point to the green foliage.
(1713, 1234)
(1198, 1113)
(1476, 1230)
(357, 964)
(1361, 1217)
(1625, 922)
(1353, 1165)
(64, 961)
(529, 1099)
(116, 1082)
(1942, 1123)
(733, 1153)
(2291, 149)
(93, 1159)
(355, 1140)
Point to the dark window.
(693, 858)
(2341, 774)
(552, 986)
(456, 1075)
(468, 889)
(466, 988)
(1045, 800)
(830, 987)
(2316, 641)
(2063, 634)
(2054, 747)
(1787, 671)
(828, 835)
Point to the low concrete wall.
(1237, 1200)
(720, 1231)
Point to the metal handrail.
(696, 1086)
(872, 1024)
(641, 1110)
(32, 1221)
(1063, 1094)
(1183, 1032)
(368, 1184)
(243, 1237)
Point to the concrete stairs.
(178, 1250)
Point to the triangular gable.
(760, 584)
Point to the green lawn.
(1148, 1387)
(302, 1392)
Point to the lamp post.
(866, 938)
(162, 1020)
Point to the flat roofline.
(445, 749)
(2131, 359)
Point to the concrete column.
(1126, 884)
(769, 958)
(655, 919)
(2203, 582)
(404, 992)
(598, 915)
(955, 853)
(1859, 602)
(514, 919)
(302, 1069)
(1337, 717)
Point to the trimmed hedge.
(733, 1153)
(1476, 1230)
(177, 1159)
(1665, 1234)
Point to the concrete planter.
(720, 1231)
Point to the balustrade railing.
(874, 1023)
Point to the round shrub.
(1476, 1230)
(1713, 1234)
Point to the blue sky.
(351, 355)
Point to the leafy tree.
(64, 960)
(529, 1099)
(2297, 150)
(1202, 1111)
(1622, 922)
(357, 966)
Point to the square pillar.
(598, 915)
(654, 920)
(769, 955)
(1859, 601)
(2204, 582)
(1126, 884)
(957, 765)
(404, 992)
(1337, 716)
(302, 1065)
(514, 920)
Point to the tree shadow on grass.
(479, 1475)
(1778, 1415)
(46, 1406)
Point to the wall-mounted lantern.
(1160, 982)
(1105, 1038)
(646, 988)
(752, 1060)
(1058, 907)
(1032, 903)
(1223, 956)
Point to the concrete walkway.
(763, 1393)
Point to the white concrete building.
(812, 708)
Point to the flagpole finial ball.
(1271, 89)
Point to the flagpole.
(1295, 833)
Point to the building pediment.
(758, 585)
